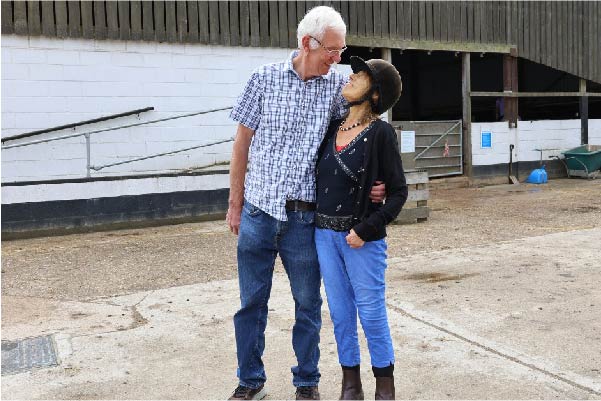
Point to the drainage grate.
(24, 355)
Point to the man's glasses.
(331, 52)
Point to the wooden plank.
(181, 24)
(463, 21)
(411, 215)
(429, 20)
(48, 24)
(415, 21)
(87, 19)
(99, 20)
(377, 18)
(344, 11)
(579, 40)
(410, 20)
(234, 23)
(477, 22)
(112, 20)
(135, 15)
(147, 21)
(385, 16)
(368, 23)
(264, 23)
(62, 20)
(549, 43)
(391, 19)
(224, 23)
(8, 25)
(415, 177)
(594, 49)
(443, 27)
(466, 88)
(34, 18)
(274, 24)
(353, 28)
(423, 27)
(159, 20)
(124, 28)
(586, 24)
(292, 24)
(418, 195)
(203, 21)
(213, 22)
(509, 21)
(436, 18)
(244, 15)
(525, 30)
(556, 33)
(74, 13)
(193, 27)
(486, 29)
(170, 21)
(283, 23)
(255, 35)
(470, 22)
(570, 34)
(20, 17)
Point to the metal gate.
(437, 146)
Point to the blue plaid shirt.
(290, 118)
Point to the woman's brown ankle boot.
(384, 388)
(351, 384)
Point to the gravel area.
(89, 266)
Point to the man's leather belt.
(300, 206)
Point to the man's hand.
(353, 240)
(233, 218)
(378, 192)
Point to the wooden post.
(510, 84)
(583, 113)
(467, 113)
(387, 55)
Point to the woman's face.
(357, 86)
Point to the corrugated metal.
(564, 35)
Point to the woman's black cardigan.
(381, 161)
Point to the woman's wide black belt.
(300, 206)
(336, 223)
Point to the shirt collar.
(290, 67)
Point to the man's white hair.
(316, 22)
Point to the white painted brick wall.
(529, 135)
(49, 82)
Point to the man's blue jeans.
(261, 238)
(354, 282)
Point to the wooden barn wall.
(561, 34)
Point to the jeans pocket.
(306, 217)
(251, 210)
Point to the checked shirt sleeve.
(340, 105)
(248, 108)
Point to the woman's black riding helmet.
(385, 80)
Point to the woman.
(350, 229)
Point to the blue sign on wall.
(486, 139)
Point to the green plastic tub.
(583, 161)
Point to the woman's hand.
(353, 240)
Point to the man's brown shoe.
(247, 393)
(307, 393)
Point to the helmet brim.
(358, 65)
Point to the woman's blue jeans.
(261, 238)
(354, 282)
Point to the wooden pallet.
(416, 208)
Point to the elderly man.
(283, 115)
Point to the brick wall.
(50, 82)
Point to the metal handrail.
(98, 168)
(57, 138)
(73, 125)
(87, 135)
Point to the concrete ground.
(495, 297)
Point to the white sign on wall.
(407, 141)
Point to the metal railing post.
(88, 161)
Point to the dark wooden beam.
(466, 90)
(583, 113)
